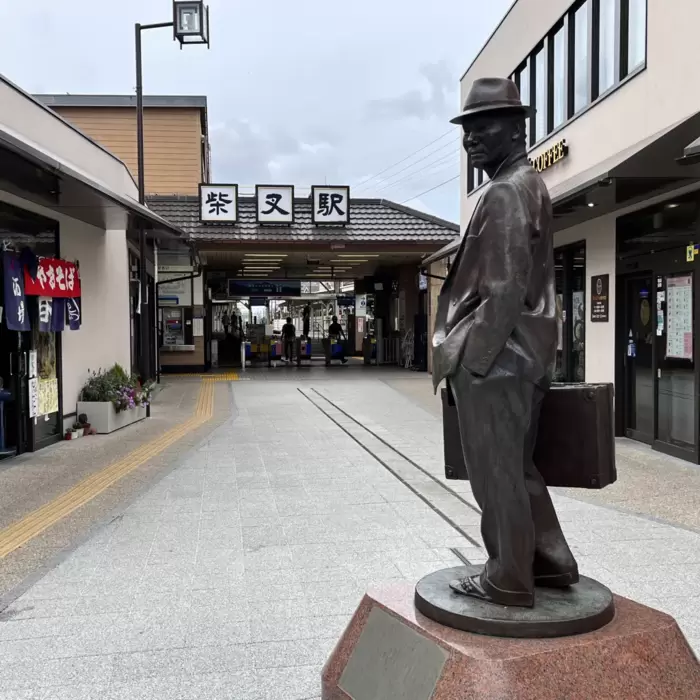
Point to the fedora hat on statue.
(490, 95)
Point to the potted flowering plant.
(112, 399)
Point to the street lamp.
(190, 25)
(191, 22)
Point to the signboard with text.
(600, 298)
(330, 205)
(275, 204)
(218, 203)
(264, 288)
(54, 278)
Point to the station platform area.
(227, 564)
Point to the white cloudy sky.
(301, 92)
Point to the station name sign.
(552, 155)
(274, 204)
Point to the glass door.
(676, 424)
(639, 360)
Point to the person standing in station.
(288, 336)
(335, 330)
(306, 319)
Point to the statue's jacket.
(496, 311)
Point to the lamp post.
(190, 25)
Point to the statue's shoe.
(472, 587)
(557, 580)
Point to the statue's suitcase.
(575, 441)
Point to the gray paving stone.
(237, 573)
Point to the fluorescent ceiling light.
(349, 262)
(358, 255)
(266, 255)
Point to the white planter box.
(103, 417)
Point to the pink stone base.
(640, 655)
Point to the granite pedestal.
(390, 651)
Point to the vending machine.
(178, 330)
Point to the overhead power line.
(372, 177)
(443, 159)
(409, 166)
(442, 184)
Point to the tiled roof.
(371, 220)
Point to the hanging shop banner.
(679, 317)
(58, 315)
(16, 315)
(45, 314)
(73, 309)
(54, 278)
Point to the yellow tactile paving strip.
(223, 377)
(23, 531)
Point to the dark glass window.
(581, 58)
(607, 45)
(570, 280)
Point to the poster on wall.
(33, 397)
(679, 317)
(48, 396)
(600, 298)
(33, 364)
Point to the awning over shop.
(691, 154)
(443, 253)
(33, 174)
(647, 169)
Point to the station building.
(362, 266)
(613, 83)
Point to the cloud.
(420, 104)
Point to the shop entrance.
(658, 343)
(657, 316)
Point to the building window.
(523, 83)
(559, 78)
(636, 33)
(540, 64)
(581, 58)
(607, 45)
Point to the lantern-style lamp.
(191, 22)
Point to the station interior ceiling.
(308, 264)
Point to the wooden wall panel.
(172, 136)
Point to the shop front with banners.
(69, 216)
(40, 302)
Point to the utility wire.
(372, 177)
(410, 165)
(442, 184)
(410, 176)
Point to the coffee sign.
(552, 155)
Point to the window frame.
(566, 24)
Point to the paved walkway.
(234, 575)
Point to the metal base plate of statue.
(390, 651)
(575, 445)
(558, 612)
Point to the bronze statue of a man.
(495, 342)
